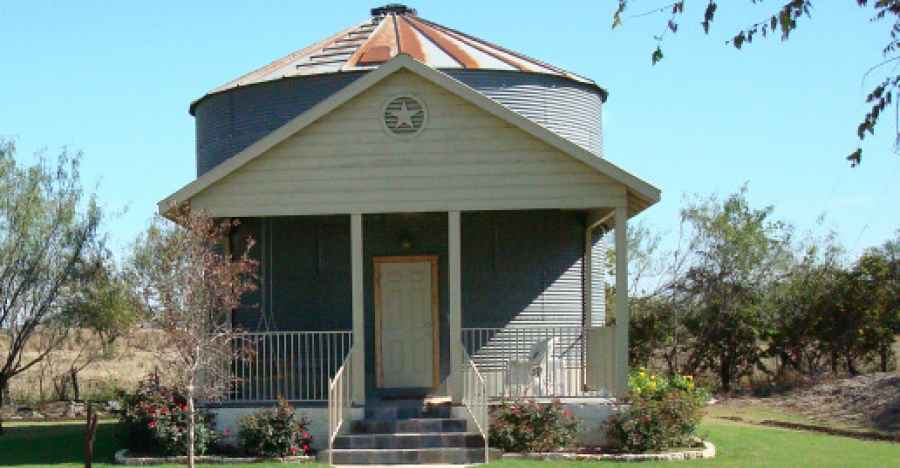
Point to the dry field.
(132, 360)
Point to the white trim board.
(640, 191)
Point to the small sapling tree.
(190, 283)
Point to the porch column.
(622, 313)
(454, 265)
(358, 362)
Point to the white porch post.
(358, 361)
(622, 313)
(454, 266)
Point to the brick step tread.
(400, 412)
(401, 441)
(414, 425)
(405, 456)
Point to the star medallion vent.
(404, 116)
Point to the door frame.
(435, 319)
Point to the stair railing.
(340, 394)
(475, 399)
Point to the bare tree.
(47, 229)
(190, 284)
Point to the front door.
(406, 319)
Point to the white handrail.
(339, 401)
(475, 399)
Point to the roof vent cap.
(393, 8)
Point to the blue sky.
(114, 80)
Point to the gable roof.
(641, 193)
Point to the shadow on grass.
(44, 444)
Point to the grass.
(61, 445)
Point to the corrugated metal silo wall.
(522, 268)
(571, 109)
(230, 121)
(599, 269)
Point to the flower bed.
(123, 457)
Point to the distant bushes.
(741, 301)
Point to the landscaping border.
(122, 458)
(708, 451)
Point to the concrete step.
(409, 440)
(412, 425)
(403, 456)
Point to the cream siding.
(465, 159)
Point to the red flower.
(294, 450)
(305, 435)
(151, 424)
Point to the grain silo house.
(428, 208)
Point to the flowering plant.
(155, 420)
(527, 426)
(663, 413)
(276, 432)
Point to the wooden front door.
(406, 321)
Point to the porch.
(533, 325)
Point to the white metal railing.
(295, 365)
(475, 398)
(531, 362)
(340, 396)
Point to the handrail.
(340, 393)
(475, 399)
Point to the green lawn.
(60, 445)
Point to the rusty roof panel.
(392, 31)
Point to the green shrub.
(155, 419)
(276, 432)
(663, 413)
(532, 427)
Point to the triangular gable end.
(473, 154)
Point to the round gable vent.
(404, 116)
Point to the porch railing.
(340, 394)
(529, 361)
(292, 364)
(475, 398)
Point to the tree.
(104, 308)
(801, 305)
(739, 253)
(783, 21)
(190, 283)
(47, 230)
